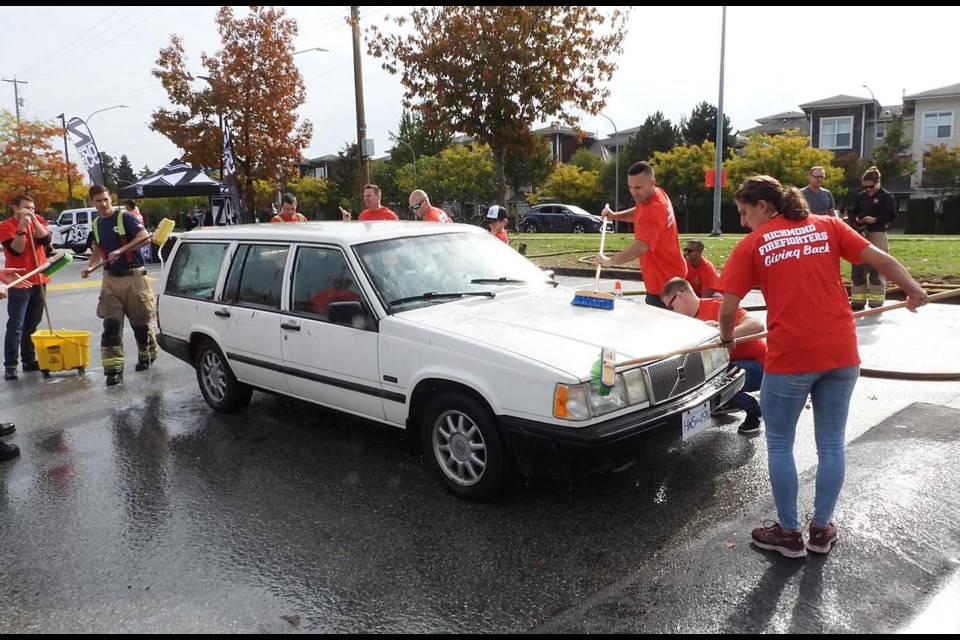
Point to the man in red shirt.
(288, 210)
(701, 273)
(421, 207)
(656, 241)
(25, 239)
(678, 295)
(374, 210)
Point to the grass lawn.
(933, 259)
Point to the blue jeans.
(751, 382)
(24, 313)
(782, 397)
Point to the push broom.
(603, 371)
(159, 237)
(57, 260)
(596, 299)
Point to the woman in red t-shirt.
(794, 258)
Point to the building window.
(937, 125)
(881, 130)
(836, 133)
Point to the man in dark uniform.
(125, 290)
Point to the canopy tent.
(178, 178)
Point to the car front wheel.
(529, 227)
(579, 227)
(220, 388)
(462, 446)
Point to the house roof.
(942, 92)
(320, 160)
(836, 101)
(780, 117)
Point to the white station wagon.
(439, 329)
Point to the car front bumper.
(562, 452)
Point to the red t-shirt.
(655, 224)
(368, 215)
(322, 299)
(502, 234)
(703, 276)
(796, 264)
(434, 214)
(26, 260)
(751, 350)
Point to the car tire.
(462, 445)
(579, 227)
(529, 227)
(220, 388)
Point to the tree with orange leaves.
(30, 163)
(492, 72)
(251, 81)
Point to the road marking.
(73, 285)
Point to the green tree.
(892, 156)
(312, 195)
(253, 82)
(941, 172)
(461, 173)
(656, 133)
(125, 174)
(702, 125)
(586, 160)
(146, 172)
(787, 157)
(424, 139)
(528, 171)
(571, 184)
(109, 167)
(680, 171)
(491, 72)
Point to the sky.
(79, 60)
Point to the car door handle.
(222, 313)
(291, 326)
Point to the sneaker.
(822, 538)
(10, 373)
(8, 451)
(6, 428)
(114, 378)
(751, 424)
(143, 364)
(774, 538)
(31, 366)
(725, 410)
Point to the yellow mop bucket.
(62, 350)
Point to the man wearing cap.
(421, 207)
(497, 221)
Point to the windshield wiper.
(436, 295)
(506, 280)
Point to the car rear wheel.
(462, 446)
(220, 388)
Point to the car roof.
(328, 231)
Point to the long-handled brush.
(603, 371)
(596, 299)
(158, 237)
(57, 260)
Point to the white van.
(73, 228)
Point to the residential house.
(779, 123)
(934, 119)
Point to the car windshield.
(575, 209)
(425, 270)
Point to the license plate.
(696, 420)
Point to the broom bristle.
(593, 299)
(59, 263)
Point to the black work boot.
(114, 378)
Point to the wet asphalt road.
(138, 509)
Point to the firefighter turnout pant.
(867, 283)
(126, 293)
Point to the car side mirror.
(346, 312)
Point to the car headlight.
(583, 401)
(636, 386)
(714, 360)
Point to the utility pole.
(66, 153)
(16, 94)
(718, 184)
(364, 174)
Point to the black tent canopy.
(177, 179)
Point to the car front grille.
(673, 377)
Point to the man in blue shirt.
(125, 290)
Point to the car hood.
(544, 326)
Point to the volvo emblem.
(681, 374)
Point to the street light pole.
(66, 153)
(412, 152)
(874, 98)
(116, 106)
(296, 53)
(616, 134)
(718, 175)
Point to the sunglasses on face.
(415, 207)
(669, 305)
(869, 186)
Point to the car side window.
(82, 217)
(256, 276)
(321, 276)
(65, 219)
(194, 270)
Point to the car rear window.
(194, 270)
